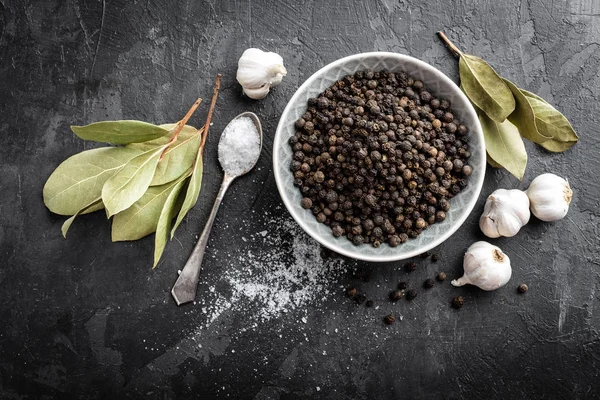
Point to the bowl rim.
(278, 142)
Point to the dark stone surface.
(86, 318)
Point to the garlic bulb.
(549, 197)
(486, 267)
(504, 213)
(258, 71)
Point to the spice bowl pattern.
(438, 84)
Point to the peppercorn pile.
(377, 157)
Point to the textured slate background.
(85, 318)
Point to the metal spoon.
(185, 287)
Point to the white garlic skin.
(258, 71)
(485, 266)
(549, 197)
(504, 213)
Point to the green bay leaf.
(141, 219)
(504, 145)
(491, 161)
(192, 192)
(168, 212)
(178, 157)
(524, 117)
(130, 183)
(119, 132)
(78, 180)
(95, 205)
(485, 88)
(553, 123)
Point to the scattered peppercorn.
(377, 150)
(411, 294)
(435, 257)
(369, 303)
(441, 276)
(360, 298)
(402, 285)
(523, 288)
(428, 284)
(351, 292)
(396, 295)
(389, 319)
(458, 302)
(411, 266)
(424, 255)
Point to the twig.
(210, 110)
(455, 50)
(177, 128)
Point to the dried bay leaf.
(504, 145)
(95, 205)
(485, 88)
(553, 123)
(119, 132)
(131, 182)
(178, 157)
(78, 180)
(168, 212)
(141, 219)
(192, 192)
(524, 117)
(491, 161)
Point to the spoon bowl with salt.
(239, 149)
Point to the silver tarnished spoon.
(238, 154)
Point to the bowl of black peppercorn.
(379, 156)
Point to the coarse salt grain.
(239, 146)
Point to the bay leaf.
(178, 158)
(131, 182)
(95, 205)
(78, 180)
(119, 132)
(553, 123)
(168, 212)
(141, 219)
(491, 161)
(485, 88)
(192, 192)
(186, 132)
(504, 145)
(523, 117)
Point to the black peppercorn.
(411, 266)
(351, 291)
(360, 298)
(441, 276)
(306, 203)
(428, 284)
(434, 257)
(389, 319)
(458, 302)
(396, 295)
(402, 285)
(411, 294)
(523, 288)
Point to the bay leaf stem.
(210, 110)
(455, 50)
(177, 128)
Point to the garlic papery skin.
(258, 71)
(504, 213)
(549, 197)
(485, 266)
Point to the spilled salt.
(239, 146)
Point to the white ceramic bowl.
(438, 84)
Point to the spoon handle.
(185, 287)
